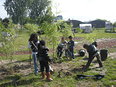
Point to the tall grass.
(96, 34)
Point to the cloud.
(87, 9)
(3, 13)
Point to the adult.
(93, 52)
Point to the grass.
(68, 81)
(17, 79)
(96, 34)
(31, 80)
(110, 78)
(21, 42)
(17, 57)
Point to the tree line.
(29, 11)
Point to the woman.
(33, 43)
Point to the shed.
(87, 28)
(108, 27)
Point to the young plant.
(7, 41)
(65, 29)
(51, 33)
(31, 28)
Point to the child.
(61, 47)
(71, 47)
(44, 60)
(33, 42)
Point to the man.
(93, 52)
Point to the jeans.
(34, 56)
(71, 53)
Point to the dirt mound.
(106, 43)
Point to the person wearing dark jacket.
(44, 60)
(93, 52)
(70, 47)
(33, 43)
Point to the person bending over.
(93, 52)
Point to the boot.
(43, 75)
(48, 76)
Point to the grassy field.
(19, 73)
(18, 79)
(21, 42)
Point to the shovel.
(98, 77)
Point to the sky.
(3, 13)
(83, 10)
(86, 10)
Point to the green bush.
(31, 28)
(79, 30)
(7, 40)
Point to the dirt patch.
(60, 66)
(19, 53)
(106, 43)
(8, 68)
(112, 55)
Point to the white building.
(108, 26)
(87, 28)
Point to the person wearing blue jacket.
(70, 47)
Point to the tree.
(51, 33)
(114, 24)
(31, 28)
(65, 28)
(0, 19)
(40, 11)
(17, 10)
(37, 10)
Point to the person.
(61, 47)
(93, 52)
(33, 43)
(44, 60)
(70, 47)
